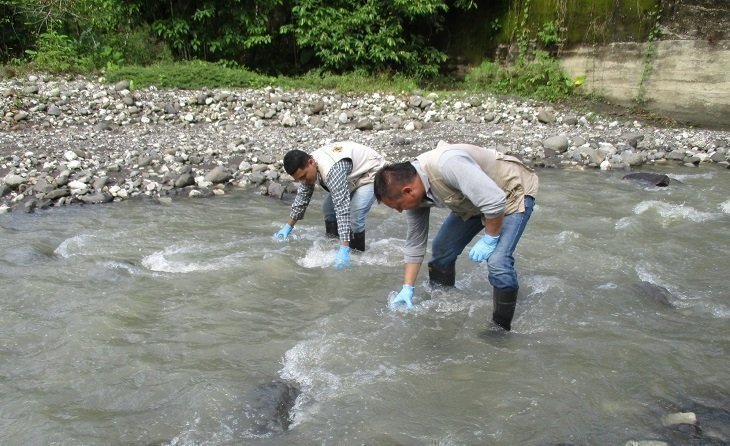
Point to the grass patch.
(196, 75)
(188, 76)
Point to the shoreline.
(82, 141)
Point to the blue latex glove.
(284, 232)
(343, 257)
(405, 297)
(483, 248)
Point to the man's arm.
(301, 201)
(416, 242)
(337, 184)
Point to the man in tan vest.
(487, 192)
(344, 169)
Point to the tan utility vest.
(365, 161)
(510, 174)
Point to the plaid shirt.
(336, 185)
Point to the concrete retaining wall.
(689, 79)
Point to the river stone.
(78, 187)
(13, 181)
(633, 158)
(43, 186)
(546, 116)
(122, 85)
(364, 124)
(269, 406)
(57, 193)
(275, 190)
(557, 143)
(218, 175)
(97, 197)
(633, 138)
(186, 179)
(657, 292)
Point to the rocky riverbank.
(70, 140)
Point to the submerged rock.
(657, 292)
(655, 179)
(269, 407)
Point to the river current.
(142, 323)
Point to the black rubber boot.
(357, 241)
(444, 277)
(330, 229)
(505, 300)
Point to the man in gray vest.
(345, 170)
(487, 192)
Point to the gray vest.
(508, 172)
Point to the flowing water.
(136, 322)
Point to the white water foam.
(675, 211)
(178, 258)
(566, 236)
(73, 246)
(691, 176)
(725, 207)
(322, 253)
(324, 369)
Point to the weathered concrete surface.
(689, 79)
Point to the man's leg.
(449, 242)
(502, 274)
(330, 218)
(361, 201)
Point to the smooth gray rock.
(269, 406)
(654, 179)
(219, 174)
(557, 143)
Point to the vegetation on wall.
(649, 54)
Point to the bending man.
(486, 191)
(345, 170)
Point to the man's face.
(408, 199)
(306, 174)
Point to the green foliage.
(373, 35)
(356, 82)
(215, 29)
(540, 77)
(649, 53)
(57, 53)
(549, 35)
(15, 30)
(197, 75)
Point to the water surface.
(137, 322)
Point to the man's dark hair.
(391, 178)
(295, 160)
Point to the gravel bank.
(71, 140)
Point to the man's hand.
(405, 297)
(343, 257)
(483, 248)
(284, 232)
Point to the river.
(142, 323)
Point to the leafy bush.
(539, 77)
(58, 53)
(372, 35)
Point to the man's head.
(301, 166)
(398, 186)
